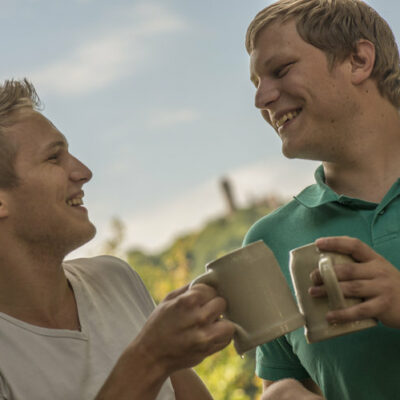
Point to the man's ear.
(3, 205)
(362, 61)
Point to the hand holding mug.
(366, 276)
(304, 262)
(185, 328)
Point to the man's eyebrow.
(274, 59)
(58, 143)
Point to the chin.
(90, 234)
(84, 237)
(292, 152)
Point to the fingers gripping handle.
(328, 275)
(210, 278)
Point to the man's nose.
(80, 172)
(267, 93)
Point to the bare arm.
(134, 377)
(289, 389)
(188, 386)
(183, 330)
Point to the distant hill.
(196, 249)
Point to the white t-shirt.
(55, 364)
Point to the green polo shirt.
(359, 366)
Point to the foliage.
(228, 376)
(188, 255)
(112, 245)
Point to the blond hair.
(335, 27)
(14, 96)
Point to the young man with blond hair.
(85, 328)
(327, 80)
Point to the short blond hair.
(15, 95)
(335, 27)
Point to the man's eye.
(282, 70)
(53, 157)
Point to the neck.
(34, 288)
(357, 180)
(368, 164)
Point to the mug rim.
(233, 252)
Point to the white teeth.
(286, 117)
(75, 202)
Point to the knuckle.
(210, 313)
(205, 289)
(228, 328)
(355, 244)
(384, 274)
(202, 340)
(202, 318)
(363, 311)
(384, 303)
(219, 334)
(169, 296)
(187, 301)
(354, 288)
(220, 304)
(162, 308)
(345, 271)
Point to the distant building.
(228, 195)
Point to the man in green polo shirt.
(327, 79)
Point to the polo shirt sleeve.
(275, 360)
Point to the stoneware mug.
(260, 303)
(304, 260)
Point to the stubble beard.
(55, 242)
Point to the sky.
(154, 96)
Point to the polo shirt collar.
(317, 194)
(320, 193)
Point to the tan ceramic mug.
(304, 260)
(260, 302)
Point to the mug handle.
(328, 275)
(210, 278)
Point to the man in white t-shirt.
(87, 328)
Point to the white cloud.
(278, 176)
(165, 118)
(110, 56)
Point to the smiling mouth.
(287, 118)
(75, 202)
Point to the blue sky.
(154, 97)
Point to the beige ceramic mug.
(304, 260)
(260, 302)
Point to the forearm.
(188, 386)
(134, 377)
(288, 389)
